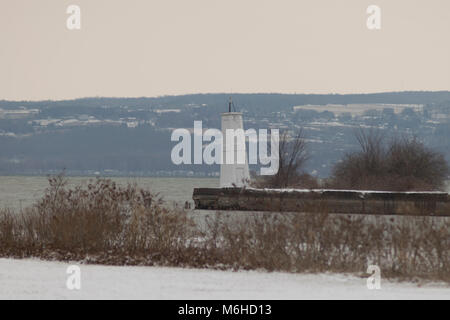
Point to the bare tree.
(372, 149)
(401, 164)
(293, 155)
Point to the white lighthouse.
(235, 174)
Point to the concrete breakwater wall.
(331, 201)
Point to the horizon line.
(224, 93)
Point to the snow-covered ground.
(35, 279)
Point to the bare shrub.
(411, 165)
(101, 219)
(403, 164)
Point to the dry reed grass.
(109, 224)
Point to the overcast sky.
(132, 48)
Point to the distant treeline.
(250, 99)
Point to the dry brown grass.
(108, 224)
(98, 222)
(403, 247)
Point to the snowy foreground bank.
(35, 279)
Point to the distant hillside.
(263, 99)
(124, 136)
